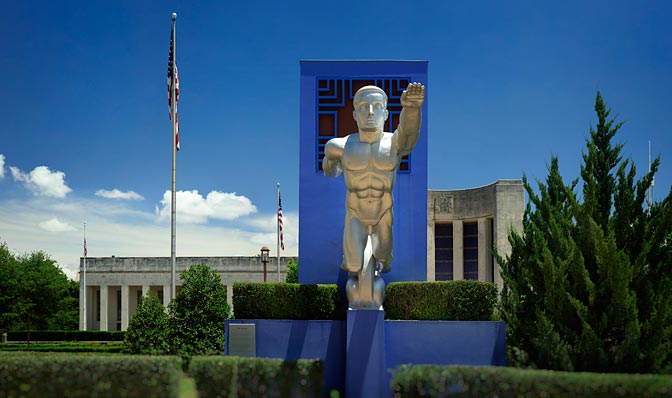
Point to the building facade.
(463, 227)
(114, 285)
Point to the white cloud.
(55, 225)
(117, 228)
(193, 208)
(42, 181)
(117, 194)
(2, 166)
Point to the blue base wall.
(405, 342)
(293, 339)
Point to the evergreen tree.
(588, 285)
(198, 312)
(147, 332)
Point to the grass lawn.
(188, 387)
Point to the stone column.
(431, 251)
(483, 251)
(490, 268)
(124, 306)
(82, 314)
(104, 293)
(458, 250)
(166, 295)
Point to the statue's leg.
(366, 289)
(382, 241)
(354, 241)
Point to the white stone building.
(462, 228)
(114, 285)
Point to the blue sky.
(86, 134)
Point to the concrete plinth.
(365, 354)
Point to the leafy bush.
(197, 315)
(292, 272)
(88, 375)
(256, 377)
(475, 382)
(450, 300)
(66, 335)
(287, 301)
(35, 283)
(147, 332)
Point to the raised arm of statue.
(333, 151)
(410, 120)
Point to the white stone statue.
(369, 160)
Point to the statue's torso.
(370, 171)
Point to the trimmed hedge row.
(41, 375)
(475, 382)
(464, 300)
(287, 301)
(238, 377)
(66, 335)
(115, 347)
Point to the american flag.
(282, 242)
(172, 69)
(85, 252)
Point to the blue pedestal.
(365, 355)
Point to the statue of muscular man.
(369, 160)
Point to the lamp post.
(264, 258)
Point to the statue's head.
(370, 103)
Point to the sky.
(86, 135)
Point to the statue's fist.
(413, 96)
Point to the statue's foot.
(352, 288)
(378, 292)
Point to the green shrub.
(475, 382)
(197, 315)
(256, 377)
(287, 301)
(292, 272)
(147, 332)
(115, 347)
(465, 300)
(87, 375)
(66, 335)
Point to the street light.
(264, 258)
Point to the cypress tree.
(588, 286)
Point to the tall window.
(119, 309)
(96, 305)
(443, 252)
(470, 243)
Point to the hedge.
(41, 375)
(287, 301)
(464, 300)
(237, 377)
(115, 347)
(475, 382)
(66, 335)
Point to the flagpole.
(84, 278)
(173, 111)
(277, 231)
